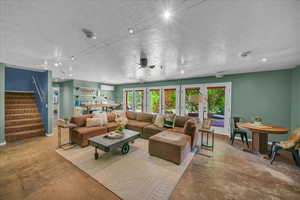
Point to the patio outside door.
(217, 106)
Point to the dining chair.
(292, 145)
(236, 130)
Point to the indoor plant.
(257, 120)
(66, 119)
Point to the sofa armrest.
(190, 128)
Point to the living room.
(197, 99)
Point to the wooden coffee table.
(106, 144)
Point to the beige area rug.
(136, 175)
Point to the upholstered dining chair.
(292, 145)
(238, 131)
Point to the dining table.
(260, 133)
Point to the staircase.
(22, 118)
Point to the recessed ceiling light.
(56, 64)
(167, 15)
(59, 63)
(131, 31)
(70, 75)
(72, 58)
(182, 71)
(264, 59)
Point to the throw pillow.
(91, 122)
(169, 120)
(159, 120)
(102, 116)
(121, 118)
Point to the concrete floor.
(31, 169)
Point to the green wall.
(267, 94)
(66, 98)
(67, 94)
(295, 101)
(2, 103)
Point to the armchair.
(292, 145)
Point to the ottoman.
(170, 146)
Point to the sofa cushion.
(180, 121)
(102, 116)
(87, 132)
(92, 122)
(131, 115)
(137, 125)
(151, 130)
(111, 126)
(145, 117)
(111, 117)
(178, 129)
(80, 120)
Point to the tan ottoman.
(170, 146)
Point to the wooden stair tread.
(26, 132)
(19, 120)
(25, 125)
(21, 114)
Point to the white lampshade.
(195, 98)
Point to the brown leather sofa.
(81, 133)
(142, 122)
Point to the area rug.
(136, 175)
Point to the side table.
(207, 132)
(69, 126)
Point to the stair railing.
(38, 89)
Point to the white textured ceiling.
(203, 37)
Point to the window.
(139, 100)
(129, 100)
(154, 100)
(170, 100)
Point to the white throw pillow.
(159, 120)
(91, 122)
(103, 117)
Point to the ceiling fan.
(144, 62)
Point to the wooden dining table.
(260, 135)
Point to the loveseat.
(137, 121)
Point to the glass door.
(191, 101)
(217, 106)
(170, 100)
(154, 100)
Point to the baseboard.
(49, 134)
(3, 143)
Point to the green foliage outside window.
(216, 100)
(129, 101)
(155, 97)
(138, 101)
(170, 100)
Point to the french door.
(217, 106)
(170, 99)
(214, 102)
(154, 100)
(135, 99)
